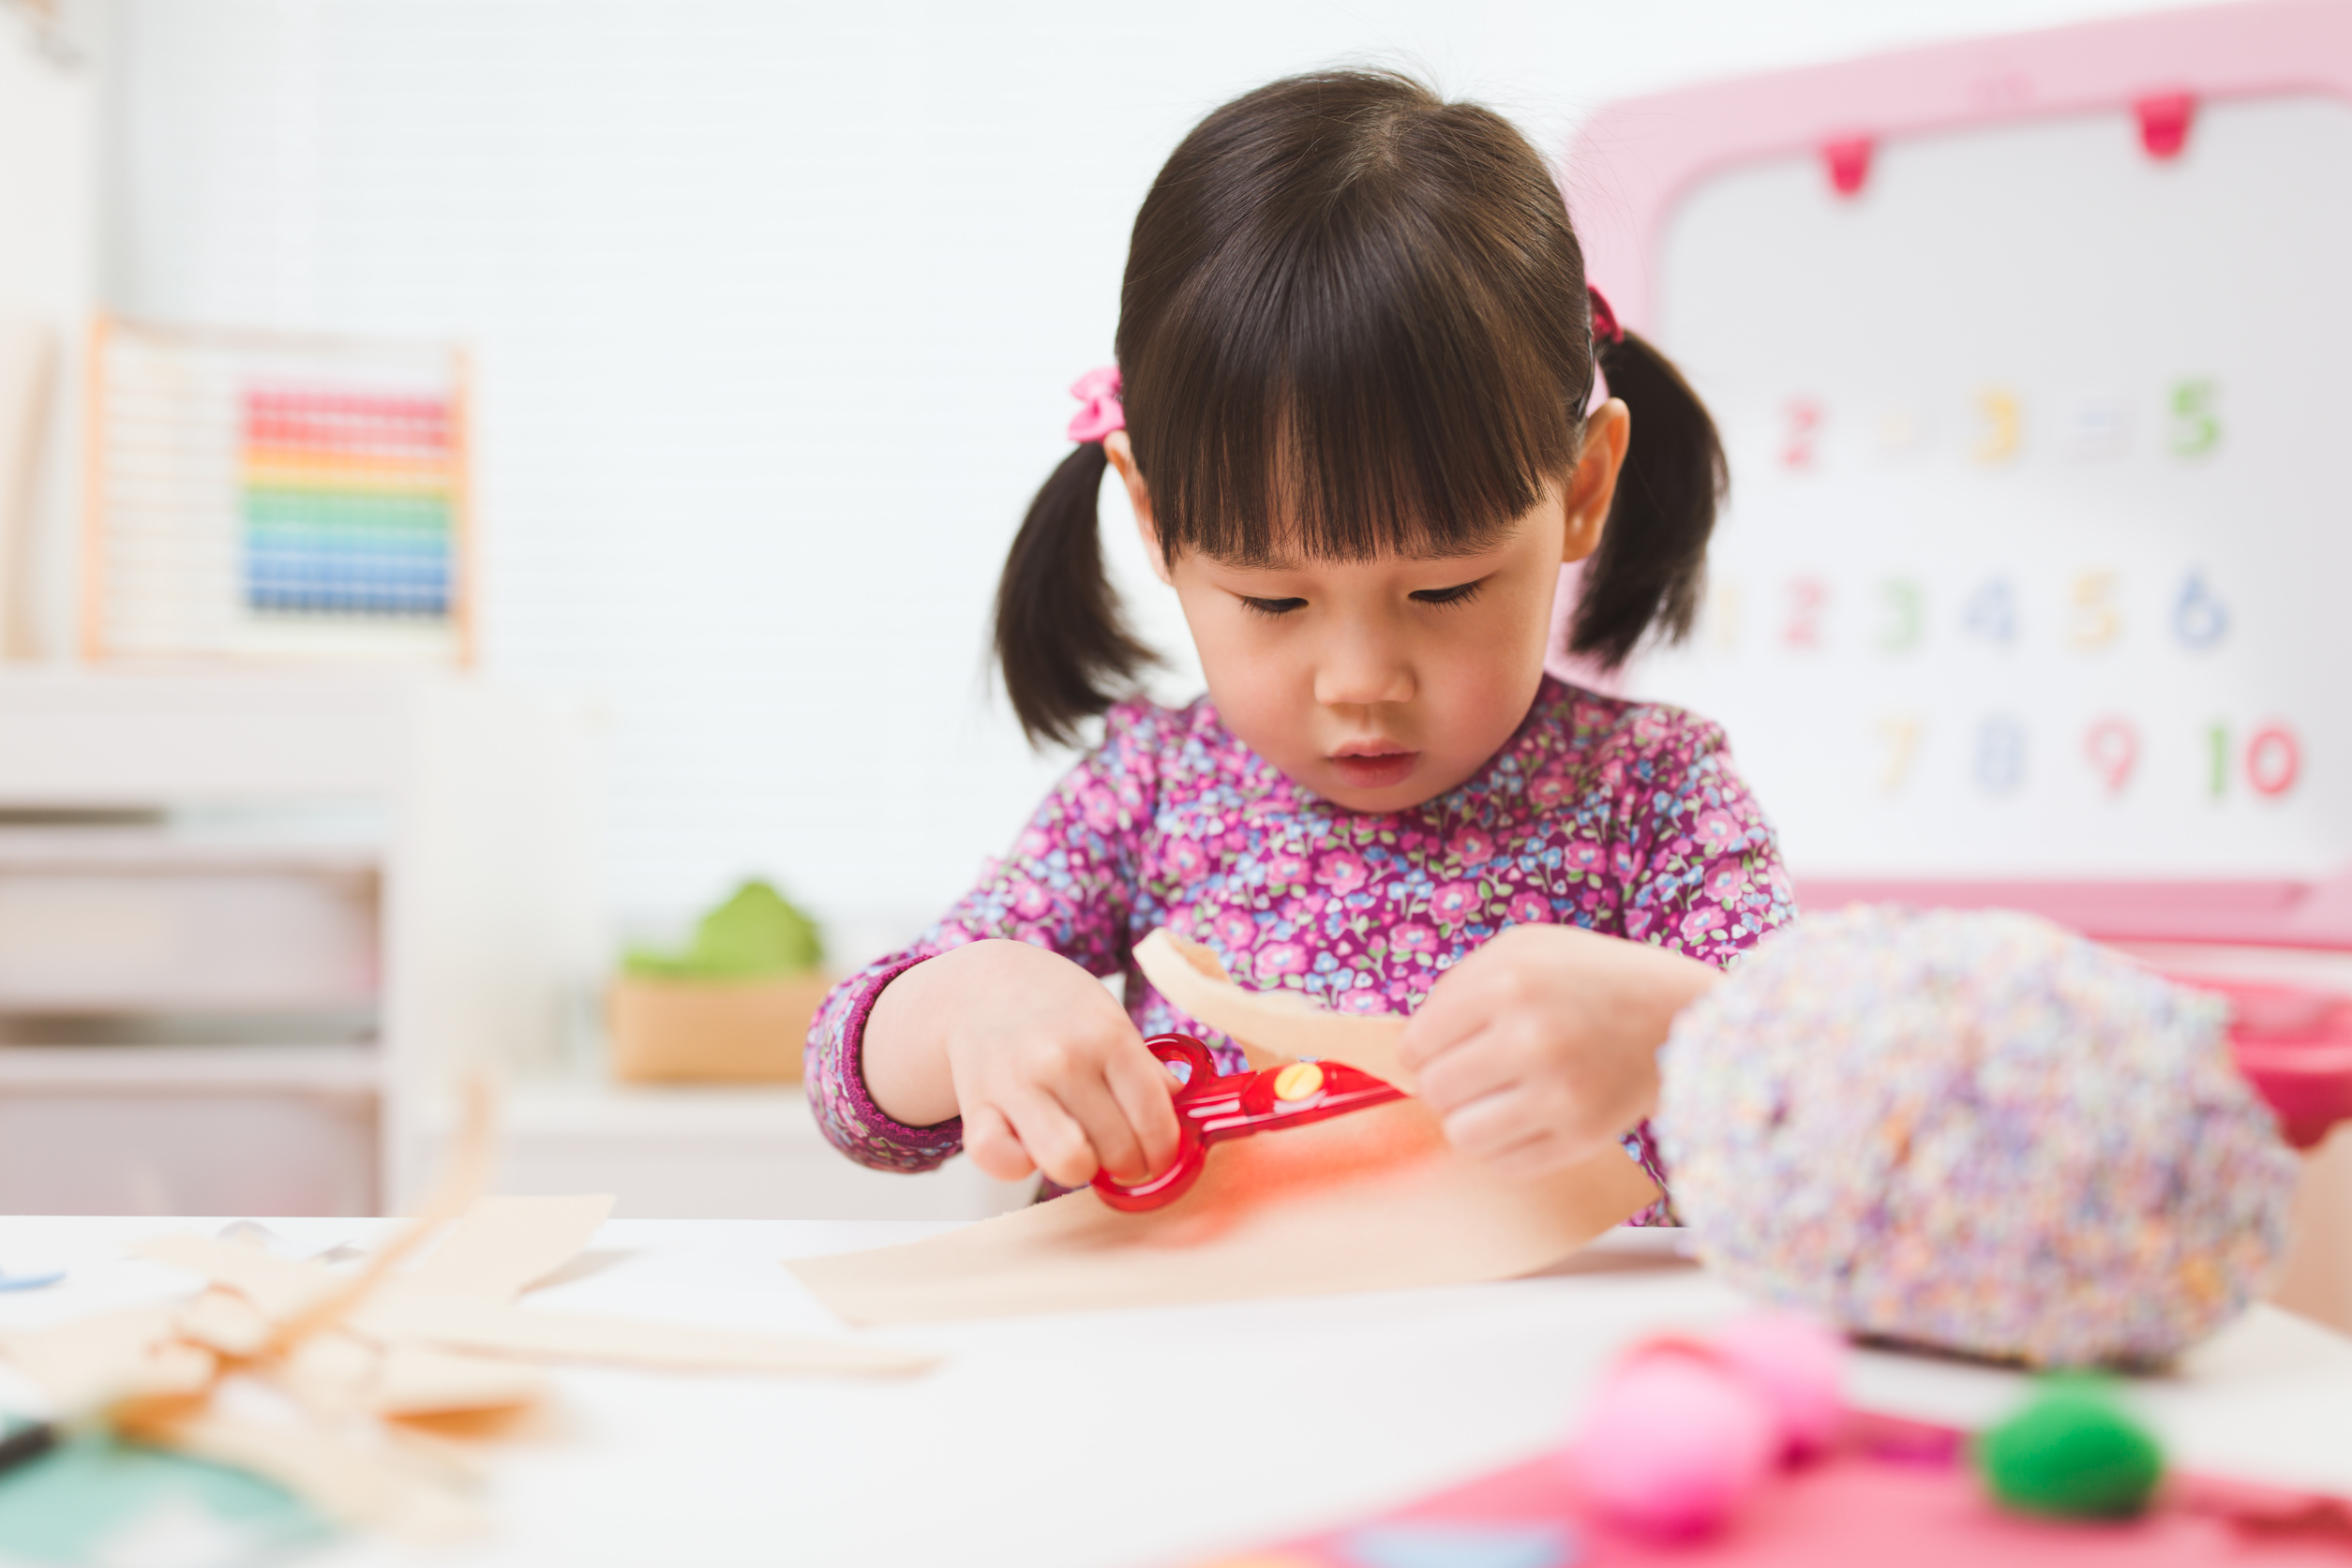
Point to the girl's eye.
(1271, 608)
(1460, 593)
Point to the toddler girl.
(1353, 411)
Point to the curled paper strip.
(1269, 1025)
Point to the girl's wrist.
(903, 1053)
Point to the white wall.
(775, 307)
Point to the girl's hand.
(1045, 1068)
(1541, 1048)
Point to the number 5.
(2096, 618)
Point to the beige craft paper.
(1269, 1024)
(114, 1355)
(457, 1323)
(414, 1382)
(278, 1288)
(1370, 1200)
(504, 1246)
(403, 1310)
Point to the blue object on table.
(29, 1281)
(1462, 1545)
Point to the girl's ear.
(1592, 483)
(1122, 455)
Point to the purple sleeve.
(1065, 886)
(1701, 866)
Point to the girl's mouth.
(1374, 768)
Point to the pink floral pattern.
(1621, 817)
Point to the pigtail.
(1060, 639)
(1653, 556)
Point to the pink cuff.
(853, 1081)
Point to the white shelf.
(161, 849)
(594, 1110)
(748, 1152)
(175, 1068)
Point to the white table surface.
(1129, 1438)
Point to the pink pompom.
(1795, 1363)
(1674, 1442)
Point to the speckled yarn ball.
(1974, 1131)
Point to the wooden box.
(669, 1031)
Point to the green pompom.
(2074, 1451)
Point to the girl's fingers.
(1541, 1155)
(1447, 1017)
(1114, 1142)
(1146, 1093)
(1474, 1068)
(1492, 1124)
(994, 1149)
(1052, 1137)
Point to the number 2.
(1809, 601)
(1805, 426)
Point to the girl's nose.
(1363, 668)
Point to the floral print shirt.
(1618, 816)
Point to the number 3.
(2196, 430)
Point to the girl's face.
(1380, 684)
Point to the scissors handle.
(1192, 1154)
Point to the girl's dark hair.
(1354, 322)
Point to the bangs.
(1367, 370)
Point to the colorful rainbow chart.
(350, 503)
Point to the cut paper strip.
(279, 1289)
(403, 1314)
(414, 1382)
(115, 1355)
(1269, 1025)
(225, 1322)
(1371, 1200)
(504, 1246)
(403, 1310)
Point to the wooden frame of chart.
(2033, 585)
(253, 495)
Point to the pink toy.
(1681, 1432)
(1674, 1442)
(1795, 1362)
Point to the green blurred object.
(757, 934)
(94, 1501)
(2074, 1451)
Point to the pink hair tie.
(1605, 327)
(1098, 390)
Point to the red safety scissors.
(1212, 1107)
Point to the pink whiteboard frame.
(1634, 160)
